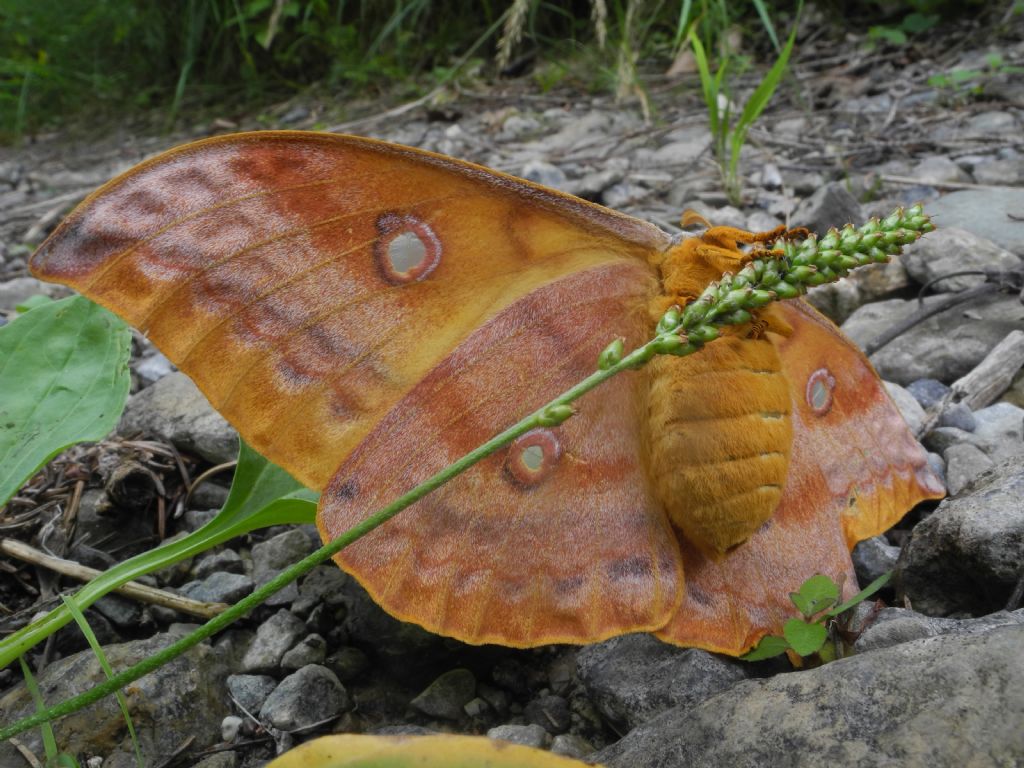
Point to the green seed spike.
(786, 290)
(611, 355)
(736, 317)
(669, 321)
(668, 344)
(759, 298)
(554, 415)
(703, 333)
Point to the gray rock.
(477, 708)
(447, 695)
(726, 216)
(230, 727)
(624, 194)
(273, 638)
(347, 663)
(881, 281)
(955, 250)
(250, 691)
(400, 647)
(993, 123)
(964, 464)
(945, 346)
(593, 184)
(1001, 171)
(218, 587)
(927, 391)
(909, 408)
(542, 172)
(936, 701)
(549, 712)
(635, 677)
(1000, 428)
(122, 612)
(208, 496)
(680, 152)
(761, 221)
(938, 169)
(306, 697)
(577, 129)
(325, 584)
(228, 759)
(516, 126)
(959, 416)
(941, 439)
(152, 368)
(185, 697)
(272, 556)
(174, 409)
(14, 292)
(571, 745)
(966, 556)
(527, 735)
(495, 697)
(837, 301)
(227, 561)
(873, 557)
(892, 626)
(831, 206)
(991, 213)
(311, 650)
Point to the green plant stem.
(323, 554)
(782, 273)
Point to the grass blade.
(49, 741)
(83, 624)
(766, 19)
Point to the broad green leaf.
(440, 751)
(815, 595)
(97, 649)
(262, 494)
(805, 638)
(33, 302)
(63, 379)
(769, 647)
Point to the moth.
(366, 313)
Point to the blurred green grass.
(105, 58)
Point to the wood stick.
(987, 381)
(993, 375)
(132, 589)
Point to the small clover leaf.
(815, 595)
(804, 637)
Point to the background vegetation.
(59, 57)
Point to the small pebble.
(927, 391)
(571, 745)
(447, 695)
(528, 735)
(310, 650)
(229, 728)
(959, 416)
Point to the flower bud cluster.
(785, 271)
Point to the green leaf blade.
(805, 639)
(769, 647)
(815, 595)
(63, 379)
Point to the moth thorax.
(719, 439)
